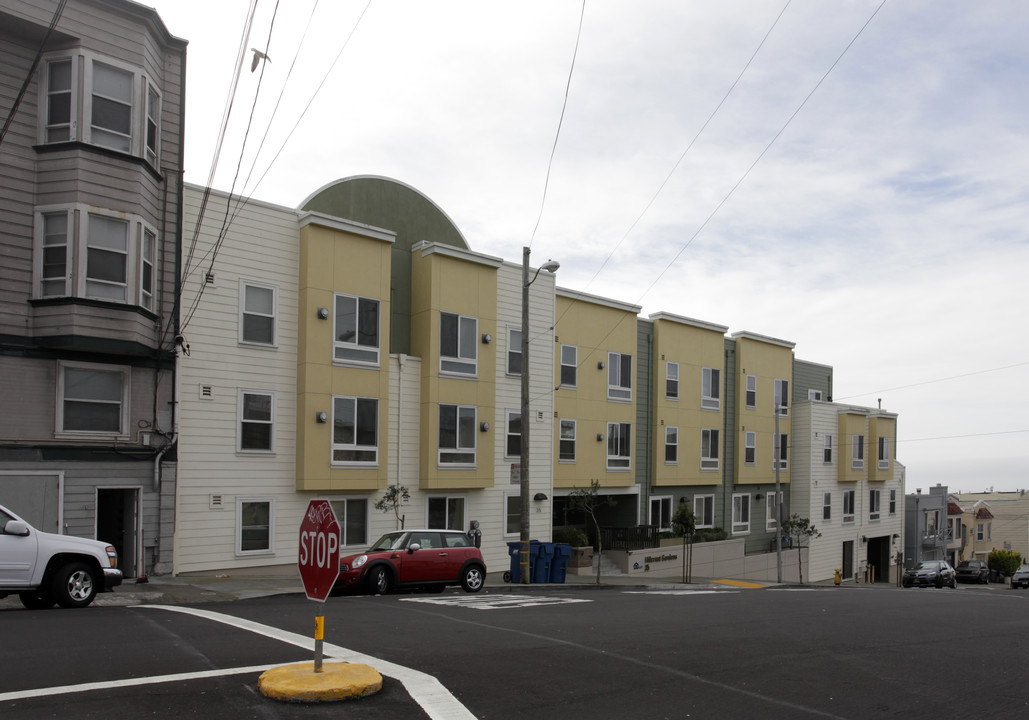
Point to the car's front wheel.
(953, 584)
(37, 599)
(472, 578)
(74, 586)
(380, 582)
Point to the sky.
(850, 176)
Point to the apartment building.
(90, 229)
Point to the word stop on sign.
(317, 548)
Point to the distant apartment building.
(993, 520)
(90, 180)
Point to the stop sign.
(318, 559)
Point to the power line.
(958, 437)
(930, 382)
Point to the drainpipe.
(400, 415)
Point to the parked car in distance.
(973, 571)
(1021, 576)
(930, 572)
(430, 559)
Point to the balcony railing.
(629, 538)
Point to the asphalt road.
(549, 653)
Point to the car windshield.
(389, 541)
(933, 565)
(1023, 568)
(967, 564)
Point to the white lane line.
(680, 592)
(130, 682)
(495, 602)
(437, 702)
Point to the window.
(782, 397)
(672, 380)
(932, 522)
(512, 515)
(704, 510)
(84, 251)
(514, 351)
(709, 449)
(814, 394)
(884, 453)
(446, 513)
(513, 447)
(257, 305)
(569, 365)
(710, 391)
(955, 529)
(740, 513)
(874, 496)
(618, 446)
(352, 515)
(751, 398)
(119, 107)
(857, 453)
(254, 532)
(980, 531)
(827, 506)
(848, 506)
(671, 446)
(566, 443)
(356, 328)
(456, 435)
(772, 511)
(355, 430)
(782, 449)
(619, 376)
(256, 421)
(458, 344)
(750, 448)
(827, 449)
(661, 512)
(93, 399)
(893, 502)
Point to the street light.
(550, 266)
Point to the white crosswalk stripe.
(680, 592)
(495, 602)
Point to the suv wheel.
(472, 579)
(74, 585)
(37, 599)
(379, 580)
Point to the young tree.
(684, 523)
(392, 499)
(799, 528)
(589, 501)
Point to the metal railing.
(629, 538)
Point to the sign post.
(318, 562)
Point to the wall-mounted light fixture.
(487, 338)
(539, 497)
(757, 497)
(484, 426)
(600, 365)
(323, 313)
(600, 437)
(321, 417)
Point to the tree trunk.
(800, 564)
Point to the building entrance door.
(847, 564)
(117, 523)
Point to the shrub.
(710, 535)
(1005, 561)
(573, 536)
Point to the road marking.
(680, 592)
(740, 584)
(437, 702)
(496, 602)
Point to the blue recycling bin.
(514, 549)
(559, 563)
(541, 570)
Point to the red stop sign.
(318, 559)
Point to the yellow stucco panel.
(849, 467)
(761, 362)
(882, 432)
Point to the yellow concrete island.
(337, 681)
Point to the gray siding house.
(91, 93)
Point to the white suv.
(44, 568)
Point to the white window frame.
(783, 447)
(94, 218)
(710, 449)
(458, 448)
(827, 449)
(884, 453)
(465, 363)
(893, 501)
(354, 352)
(152, 121)
(849, 498)
(245, 286)
(244, 500)
(619, 388)
(874, 503)
(512, 417)
(572, 363)
(980, 532)
(563, 439)
(671, 380)
(750, 392)
(514, 349)
(240, 409)
(147, 268)
(857, 452)
(338, 403)
(122, 433)
(781, 397)
(827, 505)
(750, 448)
(771, 516)
(343, 517)
(740, 507)
(671, 445)
(710, 388)
(813, 394)
(704, 511)
(619, 433)
(512, 518)
(46, 94)
(448, 523)
(664, 512)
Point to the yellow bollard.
(836, 579)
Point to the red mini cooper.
(431, 559)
